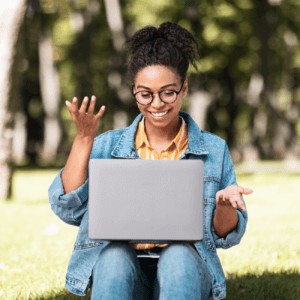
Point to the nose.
(156, 101)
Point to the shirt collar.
(141, 131)
(181, 135)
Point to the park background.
(247, 92)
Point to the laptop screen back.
(153, 201)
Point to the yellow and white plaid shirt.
(176, 148)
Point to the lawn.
(35, 246)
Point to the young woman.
(115, 270)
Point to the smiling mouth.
(160, 114)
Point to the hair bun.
(142, 36)
(179, 37)
(168, 31)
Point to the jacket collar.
(125, 147)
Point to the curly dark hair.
(169, 45)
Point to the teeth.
(159, 115)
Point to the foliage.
(249, 64)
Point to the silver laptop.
(146, 201)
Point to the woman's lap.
(179, 273)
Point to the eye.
(145, 94)
(168, 93)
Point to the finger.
(100, 112)
(92, 105)
(74, 104)
(72, 107)
(240, 204)
(245, 191)
(233, 203)
(84, 104)
(219, 196)
(240, 189)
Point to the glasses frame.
(159, 93)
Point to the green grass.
(33, 262)
(266, 264)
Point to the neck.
(162, 135)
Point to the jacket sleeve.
(228, 178)
(72, 206)
(69, 207)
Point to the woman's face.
(154, 79)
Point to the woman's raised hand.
(86, 121)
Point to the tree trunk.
(19, 137)
(198, 107)
(116, 82)
(272, 133)
(11, 17)
(49, 82)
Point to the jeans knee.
(179, 259)
(116, 272)
(182, 274)
(176, 250)
(117, 250)
(118, 256)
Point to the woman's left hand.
(232, 196)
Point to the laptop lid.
(146, 201)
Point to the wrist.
(225, 220)
(84, 139)
(225, 208)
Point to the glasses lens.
(168, 96)
(143, 97)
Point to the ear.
(185, 88)
(132, 87)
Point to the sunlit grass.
(270, 249)
(35, 246)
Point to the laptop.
(145, 201)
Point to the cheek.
(142, 109)
(178, 104)
(175, 108)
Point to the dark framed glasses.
(166, 96)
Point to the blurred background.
(247, 92)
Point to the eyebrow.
(162, 87)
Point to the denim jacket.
(219, 173)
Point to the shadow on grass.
(63, 295)
(273, 286)
(268, 286)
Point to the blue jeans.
(181, 274)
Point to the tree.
(11, 16)
(117, 75)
